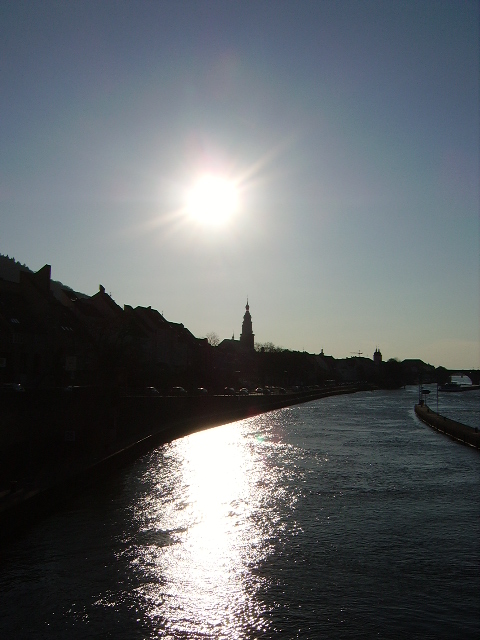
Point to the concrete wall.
(66, 429)
(456, 430)
(54, 445)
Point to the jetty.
(456, 430)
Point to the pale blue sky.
(351, 126)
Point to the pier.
(460, 432)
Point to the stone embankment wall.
(54, 445)
(456, 430)
(42, 429)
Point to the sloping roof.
(229, 344)
(102, 299)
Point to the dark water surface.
(341, 518)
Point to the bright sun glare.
(212, 200)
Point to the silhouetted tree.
(441, 375)
(393, 374)
(268, 347)
(213, 339)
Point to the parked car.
(150, 391)
(178, 391)
(259, 390)
(201, 391)
(229, 391)
(243, 392)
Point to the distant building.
(235, 359)
(247, 336)
(377, 357)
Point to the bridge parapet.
(473, 374)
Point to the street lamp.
(425, 392)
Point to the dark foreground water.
(342, 518)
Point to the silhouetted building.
(247, 336)
(42, 343)
(377, 357)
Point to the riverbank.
(456, 430)
(59, 446)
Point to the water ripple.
(342, 518)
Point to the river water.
(342, 518)
(463, 407)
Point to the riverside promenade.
(460, 432)
(69, 444)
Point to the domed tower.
(247, 336)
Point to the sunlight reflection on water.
(206, 534)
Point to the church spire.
(247, 336)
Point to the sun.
(212, 200)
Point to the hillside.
(10, 270)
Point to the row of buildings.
(51, 336)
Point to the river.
(463, 406)
(345, 517)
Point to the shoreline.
(162, 420)
(458, 431)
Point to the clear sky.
(349, 129)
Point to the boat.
(450, 386)
(456, 387)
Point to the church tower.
(247, 336)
